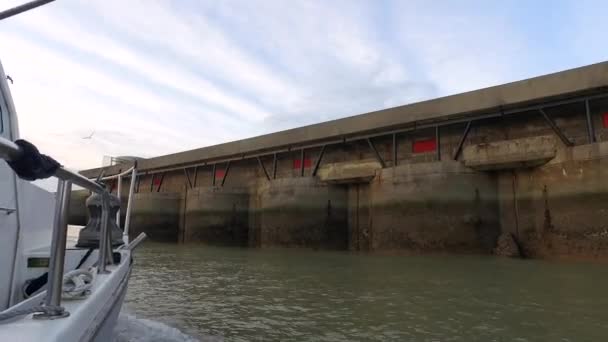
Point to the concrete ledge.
(349, 172)
(510, 154)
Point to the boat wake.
(132, 329)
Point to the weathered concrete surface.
(300, 212)
(510, 154)
(217, 216)
(349, 172)
(588, 80)
(434, 207)
(560, 209)
(158, 214)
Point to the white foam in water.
(132, 329)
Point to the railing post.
(103, 234)
(60, 231)
(119, 185)
(125, 231)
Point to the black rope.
(31, 164)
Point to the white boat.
(50, 291)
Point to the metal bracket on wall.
(555, 129)
(274, 166)
(318, 163)
(302, 163)
(438, 142)
(263, 168)
(160, 183)
(380, 160)
(226, 172)
(394, 149)
(590, 129)
(465, 134)
(189, 182)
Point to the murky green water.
(296, 295)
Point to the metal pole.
(590, 129)
(302, 163)
(160, 183)
(226, 173)
(394, 149)
(195, 175)
(371, 145)
(263, 168)
(60, 231)
(213, 176)
(188, 178)
(462, 140)
(438, 142)
(103, 234)
(274, 166)
(22, 8)
(119, 182)
(318, 163)
(125, 233)
(555, 129)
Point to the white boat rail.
(10, 151)
(133, 172)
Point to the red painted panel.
(219, 174)
(605, 117)
(157, 180)
(422, 146)
(297, 163)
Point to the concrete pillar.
(217, 215)
(439, 206)
(158, 214)
(301, 212)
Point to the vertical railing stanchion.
(103, 233)
(125, 234)
(60, 232)
(119, 185)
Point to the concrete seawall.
(300, 212)
(217, 215)
(157, 214)
(439, 206)
(516, 169)
(554, 210)
(560, 209)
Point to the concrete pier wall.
(217, 215)
(561, 208)
(158, 214)
(438, 206)
(523, 161)
(300, 212)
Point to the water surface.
(237, 294)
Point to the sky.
(154, 77)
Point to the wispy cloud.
(156, 77)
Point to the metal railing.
(10, 151)
(133, 174)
